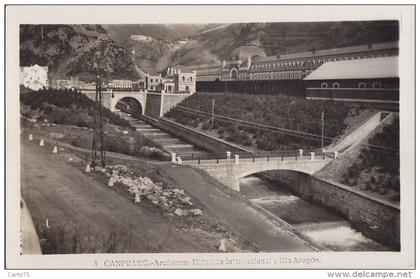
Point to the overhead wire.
(285, 131)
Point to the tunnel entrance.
(130, 105)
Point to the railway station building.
(361, 80)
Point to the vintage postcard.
(210, 137)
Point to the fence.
(269, 155)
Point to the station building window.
(336, 85)
(362, 84)
(324, 85)
(377, 85)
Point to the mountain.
(219, 42)
(280, 38)
(130, 51)
(121, 33)
(75, 50)
(153, 45)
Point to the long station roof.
(327, 52)
(380, 67)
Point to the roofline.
(331, 51)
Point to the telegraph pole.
(322, 130)
(97, 121)
(212, 114)
(100, 123)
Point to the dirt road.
(238, 215)
(61, 192)
(55, 190)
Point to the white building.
(34, 77)
(185, 82)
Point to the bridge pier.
(312, 156)
(229, 172)
(236, 159)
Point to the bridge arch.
(301, 168)
(130, 105)
(229, 173)
(128, 101)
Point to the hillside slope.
(78, 50)
(121, 33)
(279, 38)
(129, 51)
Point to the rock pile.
(171, 200)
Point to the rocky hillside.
(153, 45)
(121, 33)
(279, 38)
(153, 52)
(75, 50)
(129, 51)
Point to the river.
(323, 226)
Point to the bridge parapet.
(300, 154)
(228, 171)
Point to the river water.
(324, 227)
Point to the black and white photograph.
(195, 143)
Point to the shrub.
(384, 161)
(373, 180)
(280, 111)
(75, 101)
(116, 144)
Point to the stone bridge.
(229, 171)
(152, 104)
(111, 98)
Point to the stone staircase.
(168, 142)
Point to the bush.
(74, 101)
(279, 111)
(383, 161)
(116, 144)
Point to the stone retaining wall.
(377, 219)
(194, 137)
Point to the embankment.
(196, 138)
(377, 219)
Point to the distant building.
(178, 79)
(208, 72)
(123, 84)
(364, 80)
(153, 83)
(168, 86)
(185, 82)
(293, 66)
(34, 77)
(230, 70)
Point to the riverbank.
(375, 218)
(325, 228)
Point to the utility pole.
(97, 121)
(212, 114)
(322, 130)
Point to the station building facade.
(280, 74)
(295, 66)
(362, 80)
